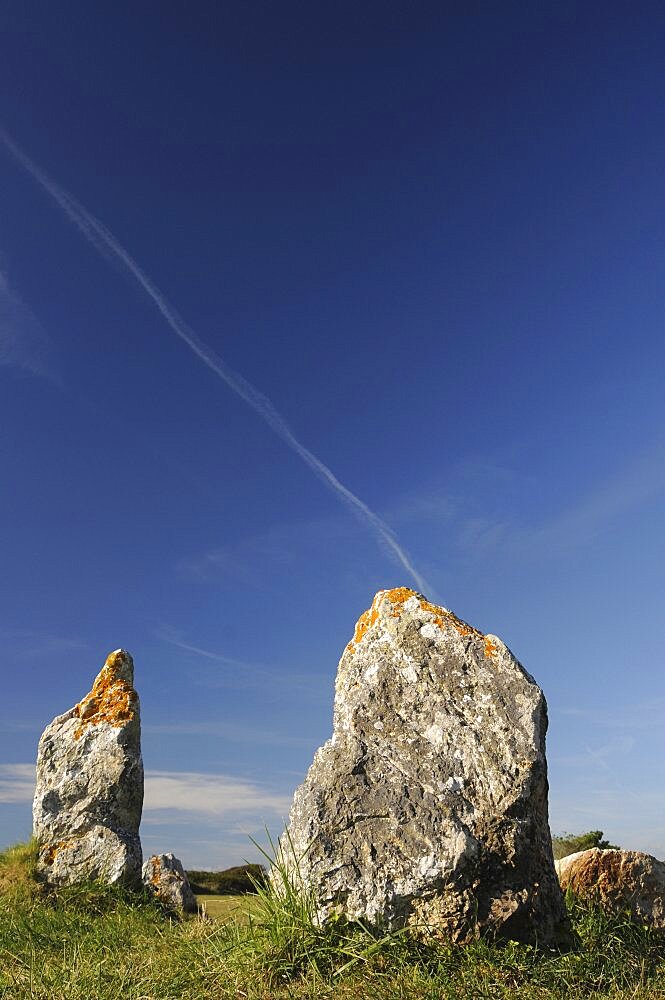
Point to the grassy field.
(92, 943)
(227, 907)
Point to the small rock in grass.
(165, 878)
(619, 881)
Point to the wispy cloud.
(244, 560)
(606, 772)
(237, 733)
(239, 674)
(639, 716)
(28, 643)
(210, 794)
(170, 636)
(599, 757)
(23, 342)
(634, 820)
(108, 246)
(486, 508)
(17, 783)
(637, 482)
(173, 791)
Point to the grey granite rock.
(620, 881)
(89, 793)
(428, 807)
(165, 878)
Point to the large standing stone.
(619, 881)
(428, 806)
(89, 794)
(165, 878)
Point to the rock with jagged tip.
(165, 878)
(428, 806)
(89, 793)
(620, 881)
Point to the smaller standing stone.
(166, 879)
(89, 793)
(619, 881)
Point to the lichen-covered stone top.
(404, 599)
(112, 699)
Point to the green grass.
(18, 866)
(225, 907)
(94, 943)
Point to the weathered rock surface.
(619, 881)
(428, 806)
(89, 794)
(165, 878)
(562, 864)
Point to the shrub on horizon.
(569, 843)
(236, 881)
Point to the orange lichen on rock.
(155, 872)
(398, 596)
(490, 647)
(364, 623)
(51, 852)
(112, 699)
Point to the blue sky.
(433, 240)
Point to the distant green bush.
(569, 843)
(229, 882)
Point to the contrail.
(108, 246)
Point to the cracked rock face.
(89, 793)
(428, 807)
(166, 879)
(619, 880)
